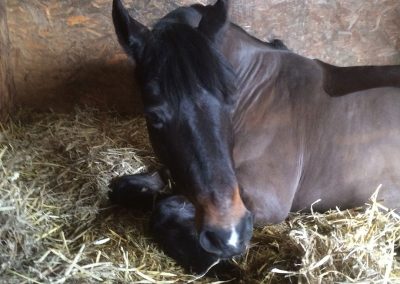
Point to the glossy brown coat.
(308, 131)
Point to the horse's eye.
(154, 120)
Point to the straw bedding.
(56, 225)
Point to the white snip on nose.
(234, 238)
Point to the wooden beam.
(6, 78)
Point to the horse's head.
(188, 94)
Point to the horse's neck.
(257, 67)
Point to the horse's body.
(296, 144)
(302, 131)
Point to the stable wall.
(6, 79)
(65, 53)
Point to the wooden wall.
(343, 32)
(6, 79)
(65, 52)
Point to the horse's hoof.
(125, 192)
(117, 186)
(130, 191)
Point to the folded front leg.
(173, 227)
(137, 191)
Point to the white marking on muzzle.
(234, 238)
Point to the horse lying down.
(249, 131)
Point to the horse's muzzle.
(228, 242)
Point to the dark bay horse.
(249, 131)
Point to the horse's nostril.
(210, 242)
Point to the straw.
(56, 225)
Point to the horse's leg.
(173, 227)
(172, 222)
(340, 81)
(138, 191)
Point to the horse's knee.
(172, 218)
(173, 227)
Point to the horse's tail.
(340, 81)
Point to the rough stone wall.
(6, 79)
(65, 52)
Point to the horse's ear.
(131, 34)
(214, 19)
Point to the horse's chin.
(228, 256)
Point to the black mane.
(184, 61)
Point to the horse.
(248, 131)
